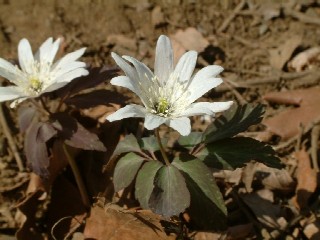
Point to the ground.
(270, 53)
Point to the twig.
(11, 141)
(78, 178)
(270, 79)
(227, 21)
(302, 17)
(314, 146)
(293, 139)
(235, 92)
(59, 221)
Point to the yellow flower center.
(35, 84)
(162, 107)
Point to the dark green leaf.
(207, 208)
(191, 140)
(233, 121)
(74, 134)
(36, 149)
(25, 117)
(144, 182)
(151, 144)
(126, 169)
(235, 152)
(128, 144)
(170, 195)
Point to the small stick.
(227, 21)
(314, 146)
(302, 17)
(235, 92)
(78, 178)
(11, 141)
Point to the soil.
(256, 43)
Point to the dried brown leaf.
(306, 178)
(109, 223)
(280, 55)
(287, 123)
(305, 58)
(191, 39)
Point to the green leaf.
(191, 140)
(126, 169)
(128, 144)
(170, 195)
(237, 119)
(235, 152)
(207, 208)
(151, 144)
(144, 182)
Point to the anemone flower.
(37, 73)
(169, 93)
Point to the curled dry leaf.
(305, 58)
(288, 123)
(271, 178)
(280, 55)
(306, 178)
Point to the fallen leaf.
(270, 178)
(280, 55)
(110, 223)
(287, 123)
(191, 39)
(123, 41)
(303, 59)
(306, 178)
(157, 17)
(265, 211)
(240, 231)
(207, 236)
(312, 230)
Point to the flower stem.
(78, 178)
(163, 153)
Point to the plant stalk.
(78, 178)
(163, 153)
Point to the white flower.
(38, 73)
(168, 93)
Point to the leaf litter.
(289, 195)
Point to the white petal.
(9, 93)
(69, 76)
(10, 72)
(153, 121)
(44, 50)
(182, 125)
(68, 68)
(144, 72)
(128, 70)
(128, 111)
(145, 77)
(25, 55)
(204, 81)
(163, 65)
(54, 87)
(206, 108)
(124, 81)
(68, 58)
(186, 65)
(52, 52)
